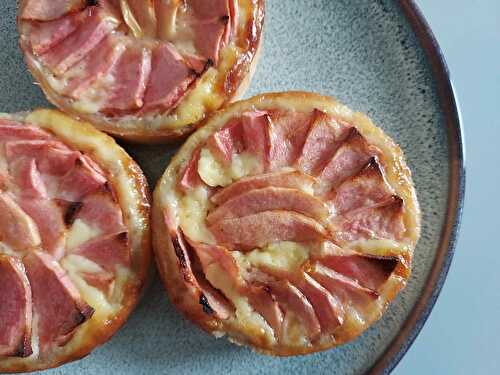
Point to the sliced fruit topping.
(101, 280)
(213, 254)
(269, 199)
(166, 16)
(129, 18)
(52, 157)
(325, 136)
(109, 251)
(130, 75)
(52, 232)
(77, 45)
(17, 229)
(15, 309)
(286, 179)
(211, 300)
(256, 135)
(383, 221)
(169, 79)
(344, 288)
(26, 176)
(365, 189)
(81, 180)
(265, 303)
(211, 26)
(190, 177)
(227, 141)
(57, 302)
(291, 298)
(46, 10)
(207, 10)
(328, 308)
(101, 211)
(144, 12)
(140, 16)
(348, 160)
(94, 67)
(210, 37)
(287, 134)
(45, 35)
(12, 130)
(369, 272)
(266, 227)
(113, 8)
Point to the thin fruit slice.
(15, 309)
(57, 303)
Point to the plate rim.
(456, 155)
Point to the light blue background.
(462, 333)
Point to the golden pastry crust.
(215, 87)
(130, 190)
(167, 219)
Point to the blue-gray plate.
(377, 57)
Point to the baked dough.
(287, 222)
(146, 71)
(74, 239)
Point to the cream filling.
(194, 206)
(193, 210)
(103, 305)
(79, 233)
(282, 256)
(215, 174)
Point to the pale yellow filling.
(79, 233)
(282, 256)
(215, 174)
(193, 210)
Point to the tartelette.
(144, 70)
(287, 222)
(74, 239)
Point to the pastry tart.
(143, 70)
(74, 239)
(287, 222)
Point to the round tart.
(74, 239)
(143, 70)
(287, 223)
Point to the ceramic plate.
(378, 57)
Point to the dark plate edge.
(448, 102)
